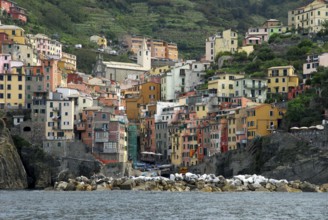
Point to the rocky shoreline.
(188, 182)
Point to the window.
(20, 87)
(8, 87)
(271, 113)
(1, 95)
(9, 77)
(222, 86)
(277, 80)
(283, 79)
(20, 96)
(269, 80)
(66, 113)
(8, 96)
(1, 78)
(20, 78)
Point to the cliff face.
(279, 156)
(12, 172)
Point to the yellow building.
(201, 110)
(67, 63)
(247, 49)
(176, 154)
(224, 84)
(159, 70)
(15, 33)
(12, 88)
(225, 42)
(309, 17)
(262, 120)
(102, 42)
(281, 79)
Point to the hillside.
(186, 22)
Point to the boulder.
(128, 184)
(228, 188)
(206, 188)
(200, 184)
(324, 187)
(61, 185)
(308, 187)
(71, 186)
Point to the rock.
(128, 185)
(81, 187)
(206, 188)
(88, 187)
(295, 184)
(270, 187)
(70, 187)
(12, 171)
(102, 186)
(228, 188)
(255, 186)
(200, 184)
(286, 188)
(172, 177)
(61, 185)
(116, 188)
(308, 187)
(324, 187)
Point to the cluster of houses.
(13, 10)
(134, 111)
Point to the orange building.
(159, 49)
(141, 95)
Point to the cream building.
(224, 83)
(59, 118)
(309, 17)
(45, 45)
(22, 52)
(119, 71)
(225, 42)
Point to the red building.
(74, 78)
(18, 13)
(13, 10)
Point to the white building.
(251, 88)
(312, 63)
(59, 118)
(44, 45)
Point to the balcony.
(240, 132)
(55, 109)
(255, 86)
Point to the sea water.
(161, 205)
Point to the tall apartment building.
(310, 17)
(44, 45)
(227, 41)
(12, 83)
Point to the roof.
(281, 67)
(10, 27)
(128, 66)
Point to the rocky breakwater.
(189, 182)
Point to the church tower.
(144, 56)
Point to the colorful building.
(308, 18)
(227, 41)
(12, 83)
(282, 79)
(15, 34)
(263, 119)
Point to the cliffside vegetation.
(186, 22)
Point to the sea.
(161, 205)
